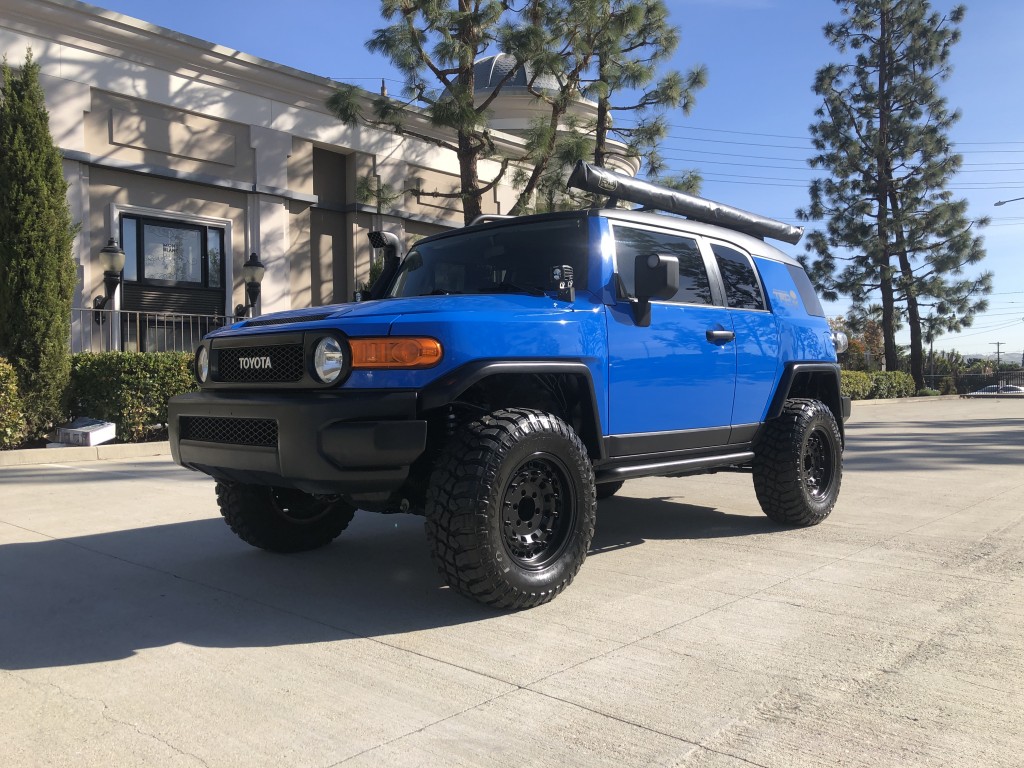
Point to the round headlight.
(202, 364)
(329, 359)
(841, 340)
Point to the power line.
(809, 140)
(985, 331)
(964, 187)
(1009, 313)
(699, 162)
(692, 151)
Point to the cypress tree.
(37, 270)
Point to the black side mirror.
(656, 276)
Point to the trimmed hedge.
(880, 385)
(12, 410)
(130, 389)
(855, 385)
(890, 384)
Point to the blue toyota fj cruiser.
(503, 377)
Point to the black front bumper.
(338, 442)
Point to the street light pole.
(1011, 200)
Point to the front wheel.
(282, 519)
(607, 490)
(798, 464)
(511, 508)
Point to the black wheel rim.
(818, 464)
(538, 512)
(300, 508)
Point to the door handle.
(720, 336)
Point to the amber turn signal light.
(395, 352)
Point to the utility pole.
(998, 345)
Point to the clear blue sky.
(748, 132)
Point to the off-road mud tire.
(798, 464)
(511, 508)
(282, 519)
(605, 490)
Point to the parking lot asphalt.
(135, 629)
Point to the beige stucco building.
(192, 156)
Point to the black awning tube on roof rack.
(590, 178)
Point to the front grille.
(290, 319)
(216, 429)
(272, 363)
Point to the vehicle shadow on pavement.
(107, 596)
(625, 522)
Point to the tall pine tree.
(894, 233)
(435, 45)
(636, 37)
(37, 270)
(607, 50)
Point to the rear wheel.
(511, 508)
(798, 464)
(282, 519)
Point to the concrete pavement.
(135, 629)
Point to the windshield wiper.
(507, 287)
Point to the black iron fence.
(965, 383)
(103, 330)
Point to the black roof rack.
(618, 186)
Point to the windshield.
(511, 259)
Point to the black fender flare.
(839, 405)
(449, 387)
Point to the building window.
(172, 253)
(174, 274)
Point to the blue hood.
(376, 317)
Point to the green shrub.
(12, 411)
(947, 386)
(889, 384)
(130, 389)
(855, 385)
(927, 392)
(905, 386)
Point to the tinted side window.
(742, 289)
(694, 286)
(806, 291)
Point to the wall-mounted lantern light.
(252, 275)
(112, 261)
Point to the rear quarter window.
(742, 288)
(806, 291)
